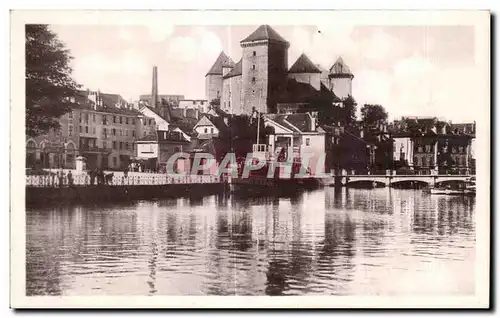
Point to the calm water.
(347, 242)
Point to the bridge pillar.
(433, 180)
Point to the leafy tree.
(49, 84)
(215, 102)
(349, 115)
(373, 114)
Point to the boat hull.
(452, 192)
(271, 186)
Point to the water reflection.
(331, 241)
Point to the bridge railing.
(53, 181)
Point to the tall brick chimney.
(154, 90)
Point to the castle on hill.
(262, 81)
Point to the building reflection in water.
(331, 241)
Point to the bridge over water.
(391, 180)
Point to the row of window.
(105, 119)
(430, 148)
(117, 132)
(118, 145)
(454, 149)
(92, 130)
(425, 161)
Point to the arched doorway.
(30, 154)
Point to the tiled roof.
(304, 65)
(235, 71)
(154, 110)
(219, 123)
(108, 100)
(321, 68)
(297, 92)
(280, 119)
(184, 124)
(300, 120)
(222, 60)
(340, 68)
(264, 32)
(204, 121)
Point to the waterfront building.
(347, 151)
(295, 136)
(157, 147)
(261, 80)
(100, 127)
(430, 145)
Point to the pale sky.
(414, 70)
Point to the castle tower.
(304, 71)
(213, 79)
(341, 79)
(264, 69)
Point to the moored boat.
(468, 188)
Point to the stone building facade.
(213, 78)
(260, 79)
(100, 127)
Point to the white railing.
(50, 181)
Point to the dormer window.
(254, 53)
(253, 80)
(253, 67)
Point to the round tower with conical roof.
(305, 71)
(341, 79)
(264, 69)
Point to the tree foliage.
(215, 102)
(373, 114)
(49, 84)
(328, 112)
(349, 111)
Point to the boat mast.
(258, 121)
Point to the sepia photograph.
(339, 156)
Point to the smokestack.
(154, 91)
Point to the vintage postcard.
(183, 159)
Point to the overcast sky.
(415, 70)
